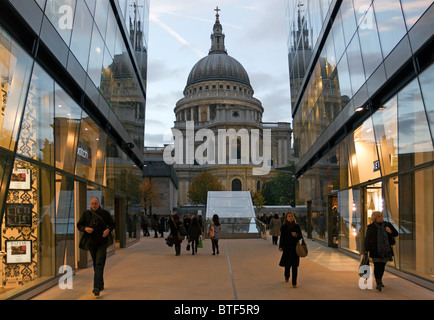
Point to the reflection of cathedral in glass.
(119, 84)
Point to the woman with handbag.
(177, 232)
(379, 240)
(290, 234)
(214, 233)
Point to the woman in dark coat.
(379, 240)
(175, 224)
(290, 234)
(194, 232)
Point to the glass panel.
(348, 20)
(423, 224)
(101, 12)
(355, 64)
(363, 154)
(415, 144)
(427, 87)
(29, 219)
(91, 151)
(413, 10)
(370, 44)
(57, 12)
(37, 132)
(416, 222)
(390, 22)
(66, 128)
(350, 227)
(344, 81)
(96, 58)
(319, 219)
(65, 221)
(386, 132)
(81, 34)
(15, 72)
(338, 37)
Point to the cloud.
(176, 35)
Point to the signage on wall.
(20, 179)
(18, 251)
(84, 154)
(376, 165)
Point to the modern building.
(73, 94)
(362, 83)
(218, 120)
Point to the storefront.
(54, 158)
(386, 164)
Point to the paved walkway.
(246, 269)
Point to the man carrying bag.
(96, 225)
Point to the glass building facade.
(362, 83)
(73, 95)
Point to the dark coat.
(194, 232)
(371, 239)
(174, 227)
(88, 219)
(288, 243)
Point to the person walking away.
(194, 232)
(216, 227)
(290, 234)
(96, 225)
(155, 225)
(379, 240)
(175, 226)
(144, 224)
(162, 225)
(275, 226)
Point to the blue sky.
(179, 36)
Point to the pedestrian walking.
(275, 226)
(96, 225)
(144, 224)
(162, 225)
(215, 233)
(380, 236)
(177, 232)
(155, 225)
(194, 232)
(290, 234)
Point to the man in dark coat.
(290, 234)
(96, 225)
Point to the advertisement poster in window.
(18, 251)
(20, 179)
(18, 215)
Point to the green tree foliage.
(280, 190)
(202, 183)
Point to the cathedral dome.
(218, 66)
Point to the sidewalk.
(246, 269)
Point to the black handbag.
(363, 262)
(84, 242)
